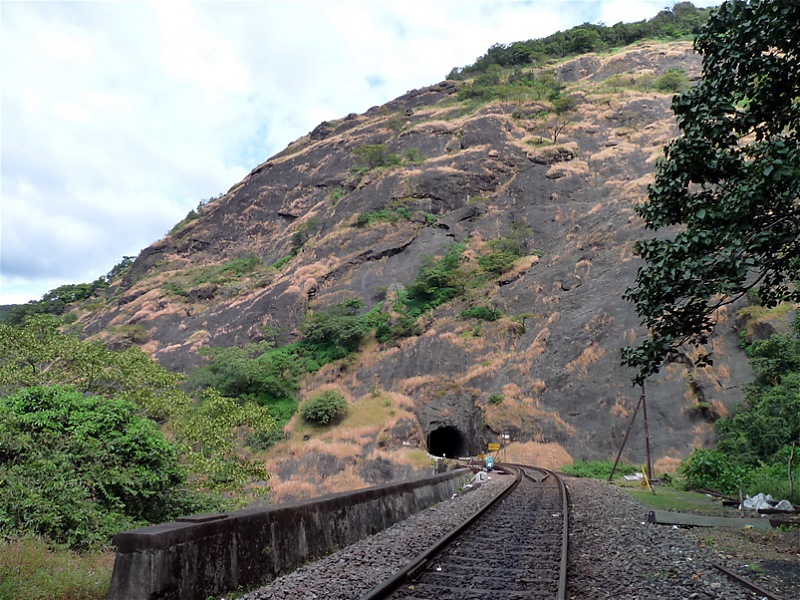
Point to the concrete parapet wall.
(203, 555)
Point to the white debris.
(757, 502)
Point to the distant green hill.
(682, 21)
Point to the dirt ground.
(771, 559)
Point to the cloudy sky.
(118, 117)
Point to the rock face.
(548, 369)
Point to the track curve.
(514, 548)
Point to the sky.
(117, 118)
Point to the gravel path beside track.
(614, 553)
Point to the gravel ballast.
(355, 570)
(614, 553)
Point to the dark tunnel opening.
(448, 442)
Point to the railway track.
(513, 548)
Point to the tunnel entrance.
(447, 441)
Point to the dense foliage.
(270, 376)
(682, 21)
(730, 183)
(63, 401)
(757, 444)
(76, 469)
(208, 438)
(254, 372)
(38, 353)
(324, 408)
(598, 469)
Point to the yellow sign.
(494, 447)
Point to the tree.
(207, 430)
(325, 408)
(584, 40)
(207, 438)
(255, 372)
(77, 469)
(39, 353)
(727, 192)
(336, 331)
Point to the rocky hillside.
(534, 198)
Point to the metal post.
(647, 438)
(625, 440)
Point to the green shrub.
(496, 399)
(240, 266)
(597, 469)
(373, 156)
(324, 408)
(303, 232)
(334, 332)
(498, 262)
(385, 215)
(264, 440)
(674, 81)
(712, 469)
(438, 281)
(337, 194)
(414, 156)
(283, 261)
(482, 313)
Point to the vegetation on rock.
(731, 182)
(324, 408)
(757, 445)
(58, 299)
(681, 21)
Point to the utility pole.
(625, 440)
(647, 440)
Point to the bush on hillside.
(324, 408)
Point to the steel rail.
(384, 589)
(420, 562)
(562, 576)
(746, 583)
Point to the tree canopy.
(682, 20)
(77, 469)
(38, 353)
(82, 447)
(726, 198)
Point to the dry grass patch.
(345, 480)
(550, 455)
(667, 464)
(292, 489)
(590, 355)
(412, 385)
(621, 408)
(720, 408)
(475, 371)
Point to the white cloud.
(117, 118)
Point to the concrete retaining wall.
(203, 555)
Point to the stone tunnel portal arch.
(447, 441)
